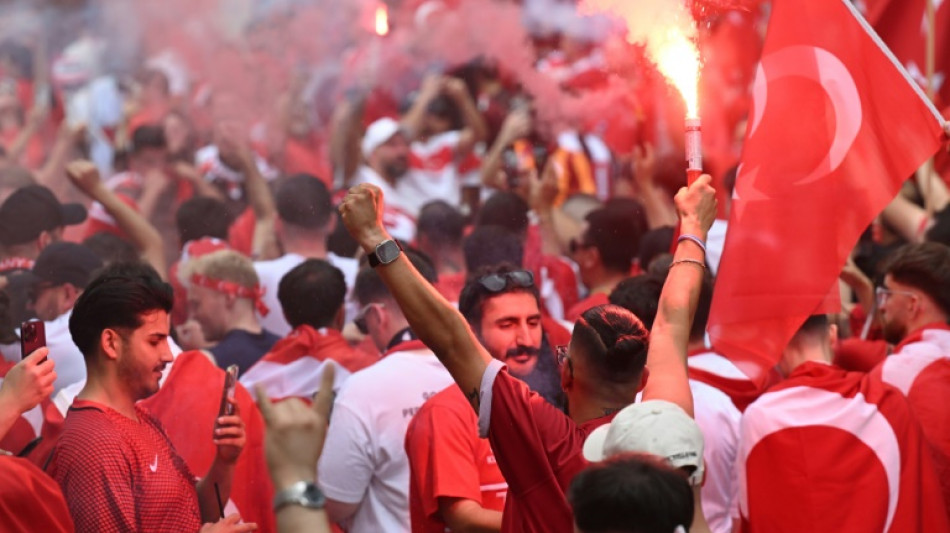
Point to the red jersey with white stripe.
(120, 474)
(434, 172)
(447, 459)
(920, 369)
(539, 451)
(830, 450)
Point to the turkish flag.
(904, 26)
(830, 450)
(835, 128)
(187, 406)
(294, 366)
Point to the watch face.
(387, 252)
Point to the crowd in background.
(528, 157)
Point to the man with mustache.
(455, 482)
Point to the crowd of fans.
(458, 297)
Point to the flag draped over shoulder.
(834, 130)
(187, 406)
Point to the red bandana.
(233, 289)
(16, 263)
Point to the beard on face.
(140, 379)
(522, 350)
(893, 332)
(396, 168)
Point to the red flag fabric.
(903, 25)
(294, 366)
(835, 128)
(30, 500)
(187, 405)
(829, 450)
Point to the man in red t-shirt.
(116, 466)
(914, 304)
(455, 480)
(538, 448)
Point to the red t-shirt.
(119, 474)
(539, 451)
(575, 312)
(450, 285)
(447, 459)
(30, 500)
(830, 450)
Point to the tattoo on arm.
(473, 398)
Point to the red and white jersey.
(830, 450)
(364, 459)
(447, 459)
(215, 171)
(434, 171)
(713, 369)
(718, 419)
(399, 217)
(920, 369)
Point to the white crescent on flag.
(798, 407)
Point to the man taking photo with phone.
(116, 466)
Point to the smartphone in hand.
(32, 336)
(227, 394)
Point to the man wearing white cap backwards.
(538, 448)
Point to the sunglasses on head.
(498, 282)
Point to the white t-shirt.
(70, 364)
(270, 274)
(434, 171)
(364, 460)
(399, 217)
(718, 419)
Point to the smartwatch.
(386, 252)
(304, 493)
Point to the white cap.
(656, 427)
(378, 133)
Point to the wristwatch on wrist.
(303, 493)
(386, 252)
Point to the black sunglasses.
(577, 244)
(498, 282)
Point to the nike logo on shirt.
(154, 466)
